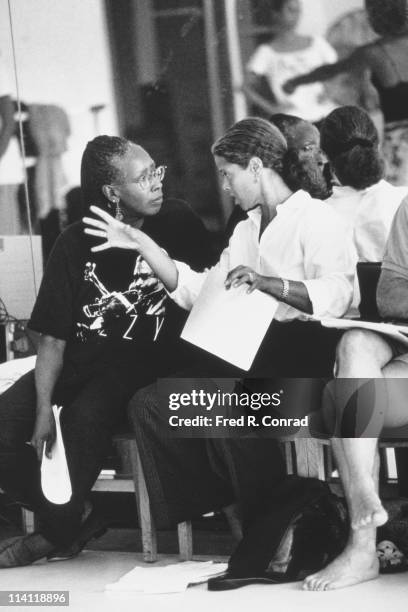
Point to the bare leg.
(362, 355)
(361, 486)
(358, 562)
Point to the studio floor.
(85, 578)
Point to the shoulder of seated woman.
(300, 43)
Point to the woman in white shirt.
(366, 202)
(292, 248)
(287, 55)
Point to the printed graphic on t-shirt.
(145, 296)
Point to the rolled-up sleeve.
(329, 266)
(190, 283)
(188, 286)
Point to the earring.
(118, 210)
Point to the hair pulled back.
(350, 140)
(256, 137)
(98, 167)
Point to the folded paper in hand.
(55, 480)
(230, 324)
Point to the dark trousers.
(189, 477)
(91, 411)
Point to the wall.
(63, 58)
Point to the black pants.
(188, 477)
(91, 411)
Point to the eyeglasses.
(146, 179)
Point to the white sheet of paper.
(230, 324)
(397, 332)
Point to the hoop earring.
(118, 210)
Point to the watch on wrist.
(285, 289)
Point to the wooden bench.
(135, 484)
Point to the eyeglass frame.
(148, 176)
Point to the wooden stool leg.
(185, 538)
(309, 458)
(149, 536)
(28, 520)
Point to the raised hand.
(116, 234)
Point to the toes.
(308, 582)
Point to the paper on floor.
(173, 578)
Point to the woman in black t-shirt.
(107, 328)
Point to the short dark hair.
(387, 17)
(252, 137)
(350, 140)
(98, 167)
(285, 122)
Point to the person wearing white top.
(361, 403)
(366, 202)
(11, 165)
(293, 249)
(286, 56)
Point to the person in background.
(11, 164)
(364, 199)
(385, 60)
(292, 248)
(107, 328)
(310, 168)
(287, 55)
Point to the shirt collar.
(294, 202)
(341, 191)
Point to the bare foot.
(366, 508)
(351, 567)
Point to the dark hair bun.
(350, 140)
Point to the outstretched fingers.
(95, 223)
(101, 247)
(101, 213)
(92, 232)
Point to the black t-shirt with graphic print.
(109, 307)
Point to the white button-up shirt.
(368, 214)
(306, 241)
